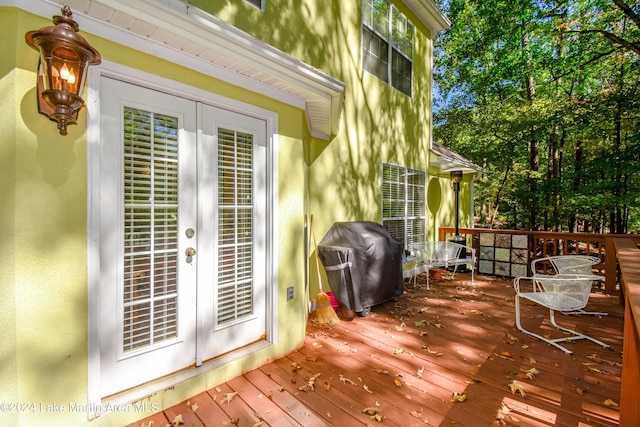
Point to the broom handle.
(315, 244)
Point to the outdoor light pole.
(456, 177)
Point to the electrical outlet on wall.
(289, 293)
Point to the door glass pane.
(150, 227)
(235, 225)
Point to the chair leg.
(580, 312)
(540, 337)
(576, 335)
(554, 342)
(473, 267)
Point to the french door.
(182, 233)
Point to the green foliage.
(547, 95)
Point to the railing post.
(629, 409)
(610, 266)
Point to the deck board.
(414, 352)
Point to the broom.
(324, 311)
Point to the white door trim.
(110, 69)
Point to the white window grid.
(387, 44)
(404, 203)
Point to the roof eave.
(429, 14)
(180, 33)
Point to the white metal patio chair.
(442, 254)
(562, 293)
(569, 264)
(412, 265)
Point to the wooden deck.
(404, 362)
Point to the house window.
(257, 3)
(404, 203)
(387, 44)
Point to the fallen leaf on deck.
(532, 361)
(397, 383)
(366, 388)
(595, 358)
(312, 358)
(382, 371)
(309, 386)
(514, 419)
(505, 354)
(419, 372)
(458, 397)
(577, 389)
(420, 323)
(432, 351)
(194, 407)
(517, 388)
(147, 425)
(610, 402)
(229, 396)
(345, 380)
(327, 386)
(295, 367)
(423, 333)
(476, 312)
(258, 424)
(178, 420)
(531, 373)
(374, 413)
(398, 351)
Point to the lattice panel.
(503, 254)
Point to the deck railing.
(628, 257)
(620, 258)
(548, 243)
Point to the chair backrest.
(574, 264)
(564, 292)
(565, 264)
(442, 251)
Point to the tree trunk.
(534, 145)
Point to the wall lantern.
(64, 58)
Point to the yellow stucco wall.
(44, 240)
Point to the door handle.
(190, 252)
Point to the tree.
(548, 93)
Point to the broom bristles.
(324, 311)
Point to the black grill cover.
(363, 264)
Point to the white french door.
(182, 233)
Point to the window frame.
(262, 6)
(392, 61)
(404, 211)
